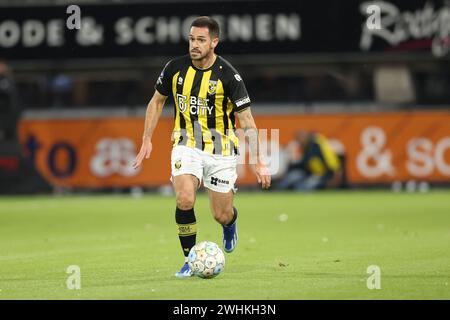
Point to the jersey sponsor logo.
(242, 101)
(182, 105)
(195, 106)
(237, 77)
(212, 87)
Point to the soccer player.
(208, 93)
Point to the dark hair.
(208, 22)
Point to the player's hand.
(263, 175)
(146, 150)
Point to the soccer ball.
(206, 260)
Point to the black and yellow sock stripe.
(187, 229)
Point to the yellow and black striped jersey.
(205, 101)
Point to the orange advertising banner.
(378, 147)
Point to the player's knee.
(223, 216)
(222, 219)
(185, 200)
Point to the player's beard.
(199, 56)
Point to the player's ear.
(214, 42)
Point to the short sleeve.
(164, 82)
(238, 93)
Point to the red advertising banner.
(379, 147)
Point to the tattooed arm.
(247, 123)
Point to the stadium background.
(73, 105)
(82, 93)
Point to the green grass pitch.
(127, 248)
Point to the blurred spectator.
(9, 112)
(62, 87)
(317, 167)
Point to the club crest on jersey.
(212, 87)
